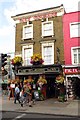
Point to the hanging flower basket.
(37, 63)
(17, 61)
(36, 59)
(41, 80)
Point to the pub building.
(50, 72)
(40, 31)
(72, 78)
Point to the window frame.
(72, 55)
(23, 54)
(46, 44)
(25, 26)
(72, 33)
(52, 32)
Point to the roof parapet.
(39, 14)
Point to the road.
(18, 116)
(50, 106)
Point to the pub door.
(51, 85)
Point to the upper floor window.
(75, 29)
(76, 55)
(47, 28)
(27, 53)
(48, 53)
(28, 31)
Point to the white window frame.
(72, 56)
(51, 31)
(31, 35)
(23, 49)
(74, 31)
(48, 44)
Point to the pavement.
(49, 106)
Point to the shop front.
(72, 81)
(50, 72)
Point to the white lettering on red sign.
(74, 70)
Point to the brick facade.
(37, 38)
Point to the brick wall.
(58, 37)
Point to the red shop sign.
(71, 70)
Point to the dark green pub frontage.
(50, 72)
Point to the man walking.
(16, 95)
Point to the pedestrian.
(16, 94)
(28, 91)
(20, 86)
(22, 97)
(9, 89)
(12, 85)
(30, 80)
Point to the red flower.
(12, 62)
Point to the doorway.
(51, 86)
(73, 87)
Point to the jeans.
(16, 97)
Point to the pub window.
(48, 53)
(27, 53)
(47, 28)
(28, 31)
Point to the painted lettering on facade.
(36, 17)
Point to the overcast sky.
(9, 8)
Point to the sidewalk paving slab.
(49, 106)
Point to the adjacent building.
(71, 30)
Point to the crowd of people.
(24, 91)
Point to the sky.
(10, 8)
